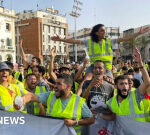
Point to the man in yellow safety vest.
(62, 103)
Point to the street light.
(75, 14)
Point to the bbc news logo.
(12, 120)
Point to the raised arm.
(78, 75)
(72, 41)
(51, 73)
(116, 58)
(142, 31)
(23, 54)
(146, 79)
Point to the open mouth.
(33, 84)
(124, 92)
(97, 73)
(4, 77)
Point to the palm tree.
(130, 45)
(143, 42)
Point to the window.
(49, 48)
(16, 40)
(64, 32)
(49, 29)
(9, 42)
(60, 49)
(59, 31)
(65, 49)
(49, 38)
(8, 27)
(43, 38)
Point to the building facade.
(142, 42)
(7, 38)
(37, 28)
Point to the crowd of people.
(73, 91)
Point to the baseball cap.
(3, 65)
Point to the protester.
(98, 38)
(8, 91)
(131, 103)
(39, 71)
(33, 107)
(34, 62)
(63, 104)
(97, 91)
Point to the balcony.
(6, 48)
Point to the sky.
(124, 14)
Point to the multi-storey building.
(142, 42)
(7, 35)
(37, 28)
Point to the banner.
(121, 126)
(16, 123)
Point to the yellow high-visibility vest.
(7, 96)
(72, 110)
(29, 70)
(128, 107)
(103, 52)
(38, 90)
(17, 74)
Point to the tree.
(143, 42)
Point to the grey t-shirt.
(99, 94)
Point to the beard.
(61, 94)
(121, 95)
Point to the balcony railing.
(6, 48)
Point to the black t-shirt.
(100, 94)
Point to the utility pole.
(75, 13)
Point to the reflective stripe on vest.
(134, 112)
(21, 90)
(103, 52)
(5, 107)
(39, 90)
(71, 111)
(17, 74)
